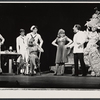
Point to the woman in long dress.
(91, 53)
(61, 55)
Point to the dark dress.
(61, 55)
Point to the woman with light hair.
(61, 42)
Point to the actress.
(61, 42)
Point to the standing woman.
(62, 41)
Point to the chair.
(28, 71)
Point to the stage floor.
(48, 80)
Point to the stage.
(48, 80)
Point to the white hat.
(32, 27)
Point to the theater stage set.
(47, 80)
(49, 17)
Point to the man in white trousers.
(21, 46)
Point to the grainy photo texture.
(50, 45)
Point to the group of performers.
(88, 56)
(30, 45)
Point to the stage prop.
(11, 55)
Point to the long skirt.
(62, 54)
(61, 58)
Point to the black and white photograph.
(50, 45)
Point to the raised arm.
(70, 41)
(26, 40)
(54, 43)
(71, 45)
(2, 39)
(81, 39)
(41, 41)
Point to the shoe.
(84, 74)
(62, 74)
(55, 74)
(75, 75)
(32, 74)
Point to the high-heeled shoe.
(55, 73)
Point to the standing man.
(35, 36)
(21, 44)
(78, 44)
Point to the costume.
(79, 38)
(33, 59)
(91, 53)
(61, 55)
(37, 38)
(21, 46)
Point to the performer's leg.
(62, 69)
(34, 58)
(76, 64)
(31, 67)
(80, 56)
(33, 61)
(56, 69)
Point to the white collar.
(22, 36)
(33, 34)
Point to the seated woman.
(33, 58)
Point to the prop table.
(11, 56)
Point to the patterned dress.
(91, 53)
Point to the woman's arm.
(54, 43)
(40, 49)
(41, 41)
(69, 40)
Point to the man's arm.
(81, 39)
(41, 41)
(27, 39)
(17, 45)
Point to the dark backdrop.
(49, 17)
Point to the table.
(11, 55)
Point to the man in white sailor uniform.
(34, 35)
